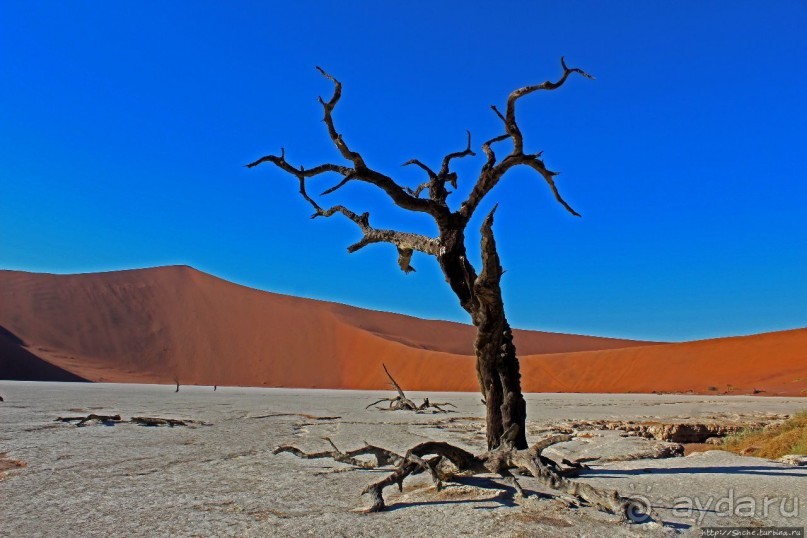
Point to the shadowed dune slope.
(19, 364)
(157, 325)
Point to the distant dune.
(770, 363)
(157, 325)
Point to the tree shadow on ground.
(502, 495)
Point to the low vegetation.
(789, 437)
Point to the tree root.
(382, 456)
(402, 403)
(442, 461)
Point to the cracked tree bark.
(479, 293)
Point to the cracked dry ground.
(222, 480)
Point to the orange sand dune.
(157, 325)
(770, 363)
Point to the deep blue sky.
(125, 128)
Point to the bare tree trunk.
(500, 379)
(496, 361)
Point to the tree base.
(443, 461)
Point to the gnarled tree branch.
(418, 163)
(489, 151)
(444, 169)
(538, 165)
(492, 172)
(361, 171)
(510, 115)
(404, 241)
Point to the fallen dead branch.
(402, 403)
(157, 421)
(303, 415)
(107, 420)
(111, 420)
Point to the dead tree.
(478, 291)
(402, 403)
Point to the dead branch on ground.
(111, 420)
(402, 403)
(82, 421)
(157, 421)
